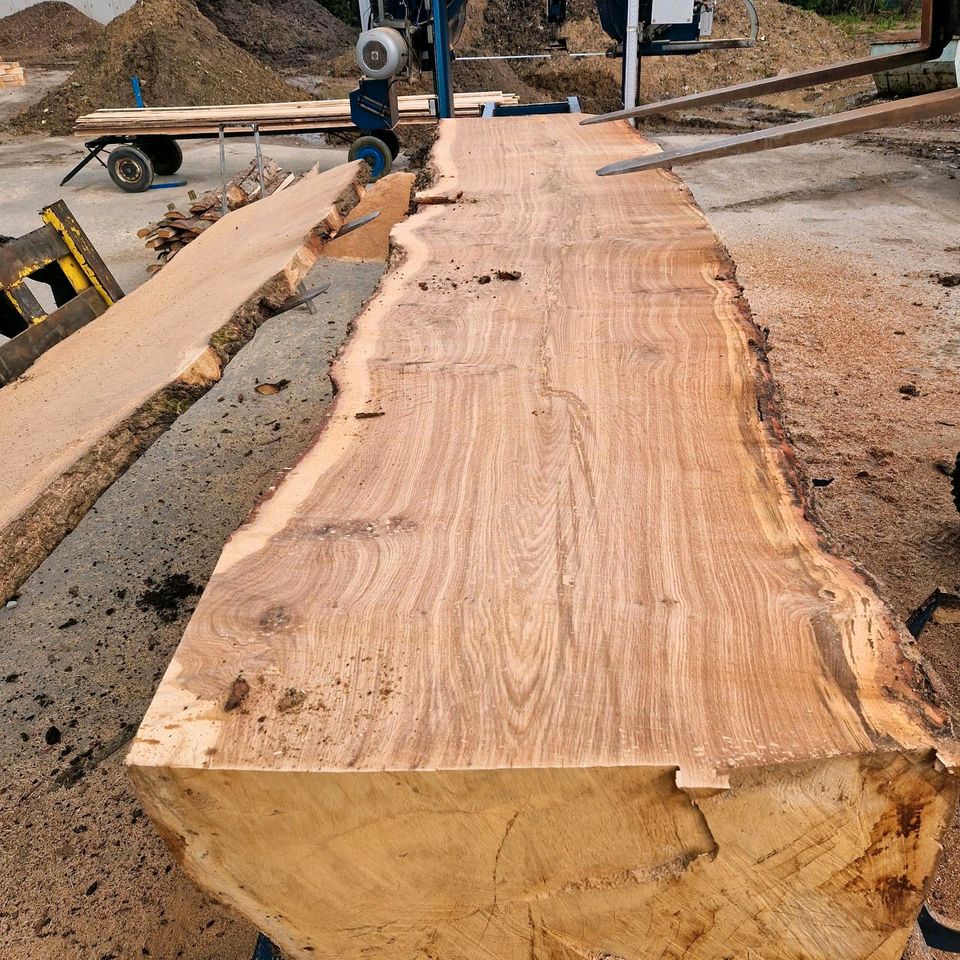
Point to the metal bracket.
(255, 127)
(305, 296)
(920, 617)
(494, 109)
(94, 149)
(355, 224)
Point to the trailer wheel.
(164, 153)
(390, 138)
(375, 152)
(130, 169)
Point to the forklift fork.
(940, 20)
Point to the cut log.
(86, 409)
(540, 656)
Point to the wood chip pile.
(177, 227)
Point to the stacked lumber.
(176, 228)
(93, 402)
(303, 115)
(534, 653)
(12, 75)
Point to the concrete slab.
(31, 170)
(82, 872)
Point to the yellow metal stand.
(61, 255)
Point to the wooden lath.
(184, 121)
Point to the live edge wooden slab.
(534, 653)
(90, 405)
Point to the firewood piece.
(236, 197)
(544, 658)
(428, 199)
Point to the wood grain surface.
(548, 536)
(73, 423)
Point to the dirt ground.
(285, 33)
(847, 252)
(178, 54)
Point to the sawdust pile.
(790, 39)
(283, 33)
(48, 34)
(180, 57)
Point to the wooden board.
(534, 653)
(93, 402)
(390, 197)
(182, 121)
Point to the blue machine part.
(494, 109)
(374, 157)
(419, 13)
(373, 105)
(441, 41)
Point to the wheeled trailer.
(145, 141)
(135, 161)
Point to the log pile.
(11, 75)
(176, 228)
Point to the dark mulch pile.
(48, 34)
(283, 33)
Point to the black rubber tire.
(375, 152)
(130, 169)
(390, 138)
(164, 153)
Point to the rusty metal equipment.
(60, 255)
(940, 21)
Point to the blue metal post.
(137, 93)
(265, 950)
(441, 58)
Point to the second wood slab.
(534, 654)
(93, 402)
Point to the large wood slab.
(534, 653)
(90, 405)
